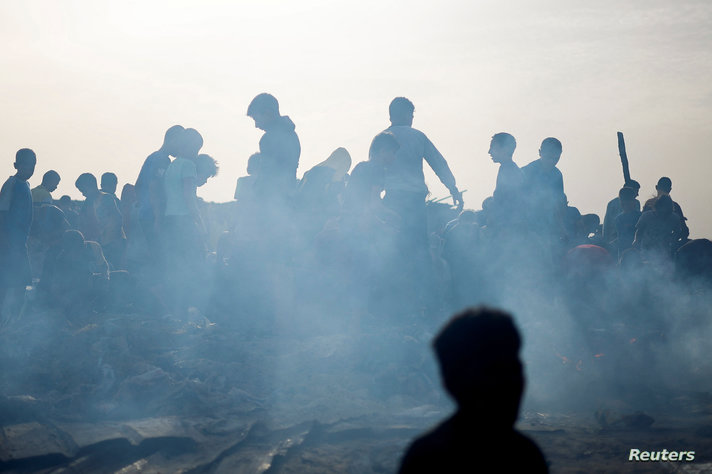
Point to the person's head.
(172, 139)
(109, 181)
(25, 161)
(663, 204)
(589, 224)
(65, 203)
(72, 241)
(478, 355)
(339, 161)
(190, 143)
(633, 184)
(502, 147)
(627, 197)
(383, 148)
(550, 152)
(401, 111)
(128, 194)
(264, 109)
(50, 180)
(664, 186)
(206, 167)
(86, 184)
(467, 217)
(253, 164)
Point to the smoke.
(334, 320)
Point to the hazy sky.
(92, 85)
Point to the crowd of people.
(367, 238)
(366, 242)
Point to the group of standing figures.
(367, 237)
(364, 244)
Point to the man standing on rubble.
(15, 222)
(279, 149)
(404, 182)
(406, 190)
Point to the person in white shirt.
(404, 182)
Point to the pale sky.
(92, 85)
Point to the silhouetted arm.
(438, 164)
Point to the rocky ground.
(125, 393)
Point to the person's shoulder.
(531, 166)
(647, 215)
(155, 160)
(528, 453)
(362, 168)
(509, 168)
(22, 187)
(428, 451)
(183, 166)
(405, 130)
(105, 199)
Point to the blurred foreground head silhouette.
(478, 354)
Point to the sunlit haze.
(92, 86)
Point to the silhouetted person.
(355, 249)
(366, 183)
(613, 209)
(41, 194)
(508, 198)
(319, 192)
(127, 206)
(48, 225)
(406, 192)
(658, 230)
(591, 229)
(205, 168)
(321, 186)
(694, 261)
(544, 187)
(245, 187)
(67, 206)
(15, 223)
(663, 188)
(542, 174)
(405, 183)
(109, 182)
(279, 148)
(626, 221)
(478, 355)
(183, 229)
(100, 220)
(150, 194)
(74, 273)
